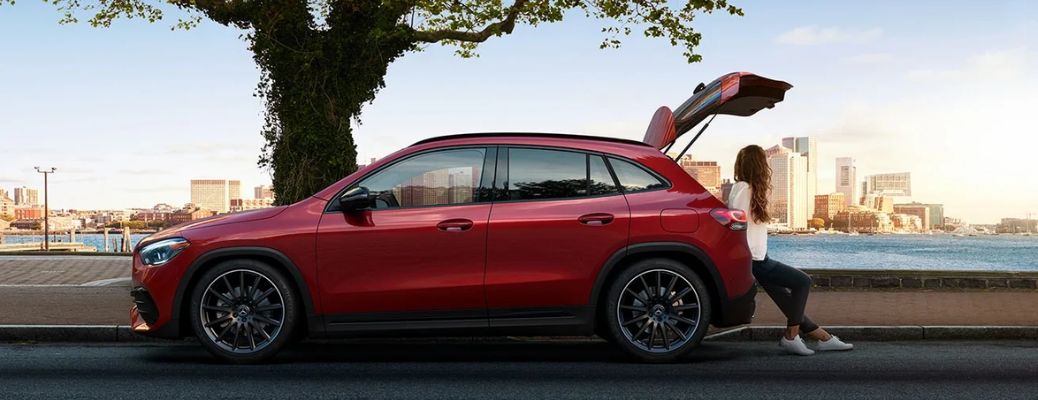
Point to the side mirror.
(355, 199)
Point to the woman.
(786, 285)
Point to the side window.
(601, 179)
(438, 178)
(546, 174)
(634, 178)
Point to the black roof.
(530, 134)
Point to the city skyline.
(146, 109)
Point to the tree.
(322, 60)
(816, 223)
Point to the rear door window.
(546, 174)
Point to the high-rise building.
(263, 192)
(897, 184)
(707, 173)
(788, 202)
(215, 194)
(24, 196)
(806, 146)
(828, 205)
(846, 180)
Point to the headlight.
(162, 251)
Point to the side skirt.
(561, 321)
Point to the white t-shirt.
(756, 233)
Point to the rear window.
(633, 178)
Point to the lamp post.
(46, 208)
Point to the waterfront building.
(1018, 225)
(707, 173)
(215, 194)
(882, 203)
(28, 213)
(151, 215)
(936, 220)
(906, 222)
(263, 192)
(251, 204)
(828, 205)
(847, 179)
(189, 214)
(893, 184)
(788, 200)
(862, 219)
(27, 197)
(920, 210)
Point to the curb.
(123, 334)
(889, 333)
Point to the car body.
(495, 234)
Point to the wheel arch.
(692, 256)
(274, 258)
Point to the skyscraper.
(24, 196)
(215, 194)
(846, 180)
(894, 184)
(788, 202)
(806, 146)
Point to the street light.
(46, 208)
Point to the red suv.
(476, 234)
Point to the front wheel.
(243, 311)
(658, 310)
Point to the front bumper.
(738, 310)
(154, 294)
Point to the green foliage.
(321, 60)
(133, 225)
(7, 217)
(816, 223)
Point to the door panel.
(419, 250)
(539, 254)
(399, 260)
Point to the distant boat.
(855, 233)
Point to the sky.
(942, 89)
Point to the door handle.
(596, 219)
(455, 225)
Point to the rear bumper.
(738, 310)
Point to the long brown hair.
(751, 166)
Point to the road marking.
(108, 282)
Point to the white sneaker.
(833, 344)
(795, 346)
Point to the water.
(92, 239)
(908, 252)
(904, 252)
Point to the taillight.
(733, 219)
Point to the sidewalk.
(95, 291)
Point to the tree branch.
(238, 12)
(505, 25)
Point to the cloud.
(813, 35)
(1002, 64)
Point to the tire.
(657, 310)
(248, 300)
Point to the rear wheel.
(243, 311)
(658, 310)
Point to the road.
(550, 370)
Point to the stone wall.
(922, 280)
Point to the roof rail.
(530, 134)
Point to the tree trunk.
(314, 84)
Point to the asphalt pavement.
(550, 370)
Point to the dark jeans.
(788, 287)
